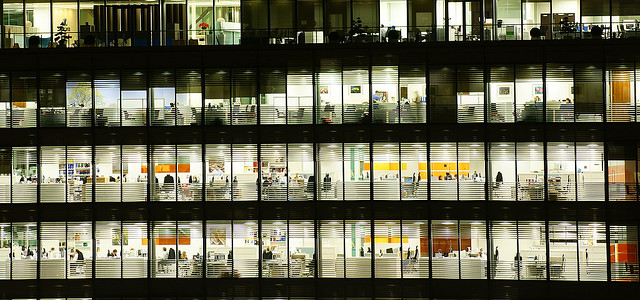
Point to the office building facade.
(316, 169)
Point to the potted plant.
(203, 26)
(356, 30)
(62, 36)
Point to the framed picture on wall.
(355, 89)
(323, 89)
(537, 89)
(504, 90)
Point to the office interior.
(439, 171)
(232, 22)
(354, 95)
(439, 249)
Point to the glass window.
(592, 251)
(174, 23)
(413, 93)
(421, 20)
(87, 34)
(162, 105)
(79, 173)
(590, 171)
(246, 177)
(624, 15)
(442, 94)
(388, 242)
(255, 21)
(356, 95)
(532, 240)
(24, 96)
(281, 21)
(52, 99)
(623, 252)
(502, 171)
(444, 171)
(415, 241)
(385, 97)
(414, 180)
(5, 248)
(501, 94)
(79, 99)
(357, 172)
(561, 171)
(108, 165)
(394, 15)
(589, 93)
(310, 21)
(189, 97)
(473, 250)
(300, 95)
(273, 97)
(330, 172)
(274, 177)
(508, 16)
(135, 250)
(329, 93)
(470, 167)
(338, 16)
(563, 251)
(107, 98)
(5, 99)
(530, 169)
(227, 16)
(446, 249)
(505, 260)
(387, 171)
(64, 13)
(302, 249)
(246, 248)
(13, 24)
(243, 96)
(53, 239)
(164, 173)
(470, 94)
(134, 98)
(80, 248)
(332, 247)
(202, 21)
(217, 97)
(164, 254)
(621, 172)
(620, 93)
(189, 175)
(560, 93)
(357, 239)
(190, 249)
(25, 238)
(566, 19)
(24, 175)
(300, 172)
(54, 168)
(218, 243)
(536, 14)
(5, 175)
(275, 249)
(109, 249)
(529, 93)
(595, 13)
(134, 173)
(37, 16)
(217, 164)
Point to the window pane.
(623, 251)
(190, 249)
(329, 178)
(302, 261)
(357, 172)
(218, 164)
(109, 250)
(386, 171)
(164, 247)
(219, 244)
(563, 263)
(25, 172)
(108, 165)
(445, 249)
(358, 247)
(54, 167)
(135, 250)
(592, 247)
(561, 171)
(388, 241)
(134, 172)
(190, 173)
(470, 166)
(530, 168)
(414, 179)
(246, 247)
(444, 171)
(332, 255)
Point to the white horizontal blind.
(135, 252)
(108, 165)
(217, 165)
(443, 166)
(245, 168)
(332, 252)
(134, 163)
